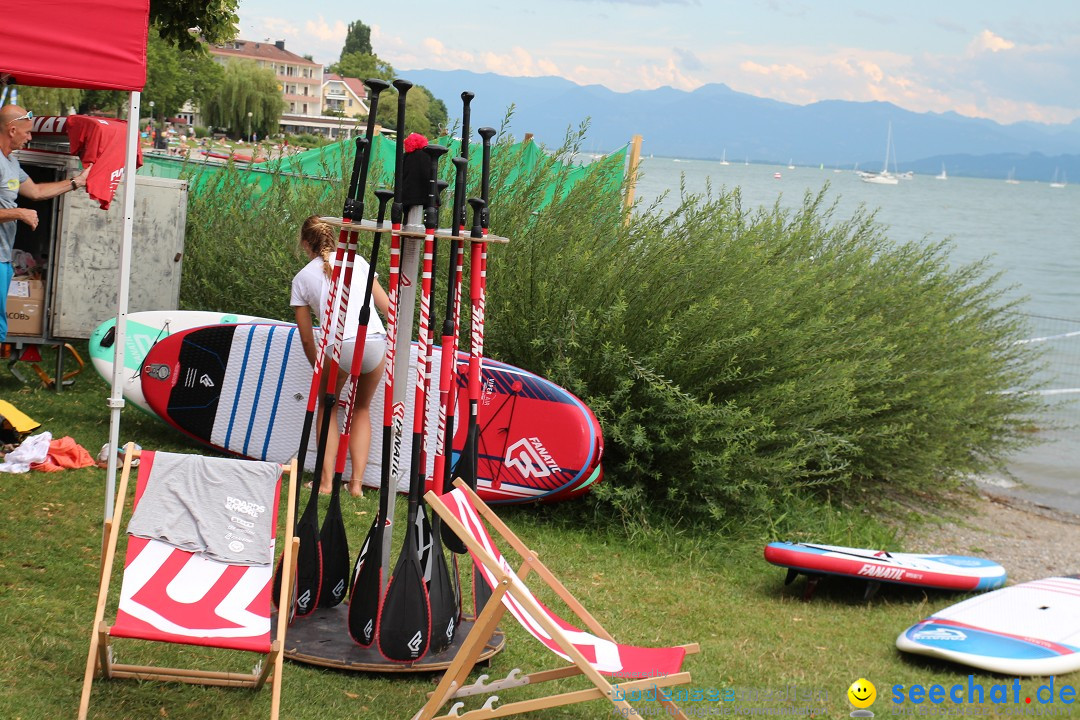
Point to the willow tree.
(246, 88)
(175, 76)
(49, 101)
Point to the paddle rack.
(322, 638)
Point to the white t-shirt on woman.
(311, 287)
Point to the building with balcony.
(301, 83)
(300, 79)
(344, 96)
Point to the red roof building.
(345, 96)
(301, 80)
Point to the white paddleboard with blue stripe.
(1027, 629)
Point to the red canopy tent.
(88, 44)
(95, 45)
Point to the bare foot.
(356, 489)
(326, 488)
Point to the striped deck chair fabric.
(639, 672)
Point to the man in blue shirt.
(15, 123)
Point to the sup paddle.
(333, 540)
(398, 342)
(367, 573)
(370, 575)
(309, 557)
(366, 605)
(481, 590)
(311, 584)
(404, 626)
(469, 457)
(466, 112)
(444, 597)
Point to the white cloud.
(786, 71)
(275, 27)
(988, 41)
(325, 32)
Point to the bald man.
(15, 125)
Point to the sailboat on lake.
(884, 177)
(1012, 177)
(943, 175)
(1055, 183)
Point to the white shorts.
(374, 351)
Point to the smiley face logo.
(862, 693)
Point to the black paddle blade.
(334, 547)
(444, 602)
(367, 583)
(466, 470)
(308, 560)
(453, 542)
(404, 625)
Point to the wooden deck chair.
(174, 595)
(638, 673)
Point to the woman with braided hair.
(310, 288)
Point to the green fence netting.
(331, 163)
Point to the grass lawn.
(759, 640)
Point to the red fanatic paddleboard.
(243, 388)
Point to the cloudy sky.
(1001, 59)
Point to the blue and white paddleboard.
(1027, 629)
(944, 572)
(142, 331)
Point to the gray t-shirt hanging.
(218, 507)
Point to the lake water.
(1029, 231)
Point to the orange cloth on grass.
(64, 454)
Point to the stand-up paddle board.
(1027, 629)
(242, 388)
(943, 572)
(141, 331)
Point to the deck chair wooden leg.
(574, 697)
(290, 549)
(463, 662)
(464, 513)
(113, 529)
(672, 710)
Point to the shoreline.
(1031, 541)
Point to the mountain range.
(715, 121)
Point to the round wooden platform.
(322, 639)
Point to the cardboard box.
(26, 307)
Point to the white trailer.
(77, 248)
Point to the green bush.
(242, 249)
(738, 360)
(201, 131)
